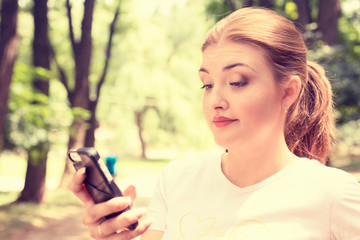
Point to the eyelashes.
(235, 84)
(235, 80)
(239, 84)
(207, 86)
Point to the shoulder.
(342, 191)
(337, 186)
(320, 173)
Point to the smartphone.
(98, 181)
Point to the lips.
(221, 121)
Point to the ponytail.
(310, 127)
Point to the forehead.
(228, 52)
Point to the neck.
(246, 168)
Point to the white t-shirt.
(306, 200)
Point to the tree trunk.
(79, 97)
(139, 123)
(34, 187)
(304, 14)
(75, 141)
(8, 51)
(248, 3)
(41, 47)
(83, 132)
(266, 4)
(328, 17)
(82, 55)
(93, 124)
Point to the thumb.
(130, 191)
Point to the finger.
(126, 234)
(100, 210)
(142, 227)
(77, 187)
(122, 221)
(131, 192)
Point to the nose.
(218, 99)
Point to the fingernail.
(128, 200)
(81, 171)
(140, 212)
(150, 221)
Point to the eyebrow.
(228, 67)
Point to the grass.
(13, 169)
(128, 167)
(14, 217)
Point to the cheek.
(205, 108)
(263, 107)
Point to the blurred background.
(121, 76)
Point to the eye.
(207, 86)
(239, 84)
(237, 80)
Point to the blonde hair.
(309, 127)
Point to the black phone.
(98, 181)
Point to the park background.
(121, 75)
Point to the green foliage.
(348, 146)
(344, 74)
(157, 68)
(217, 9)
(80, 114)
(155, 58)
(28, 123)
(31, 125)
(349, 31)
(291, 10)
(342, 65)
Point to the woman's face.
(242, 102)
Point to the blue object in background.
(110, 163)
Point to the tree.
(79, 95)
(139, 119)
(83, 128)
(8, 51)
(222, 8)
(231, 4)
(248, 3)
(266, 3)
(304, 13)
(34, 187)
(328, 17)
(93, 102)
(158, 74)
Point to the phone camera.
(75, 157)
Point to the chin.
(223, 143)
(231, 142)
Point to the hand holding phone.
(98, 181)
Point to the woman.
(271, 109)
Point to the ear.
(291, 90)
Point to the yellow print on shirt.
(193, 227)
(249, 230)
